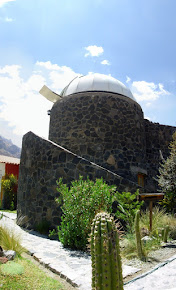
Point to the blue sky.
(50, 42)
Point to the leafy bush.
(80, 203)
(127, 205)
(9, 186)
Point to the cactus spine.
(140, 252)
(105, 254)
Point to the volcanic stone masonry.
(95, 134)
(42, 163)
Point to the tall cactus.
(165, 233)
(139, 248)
(105, 254)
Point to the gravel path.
(161, 277)
(159, 272)
(74, 266)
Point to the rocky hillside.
(7, 148)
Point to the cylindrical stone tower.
(99, 119)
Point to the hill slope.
(7, 148)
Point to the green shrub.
(80, 203)
(9, 186)
(127, 205)
(42, 227)
(167, 178)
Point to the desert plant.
(127, 205)
(165, 233)
(79, 204)
(9, 186)
(9, 240)
(139, 247)
(105, 253)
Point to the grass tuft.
(9, 240)
(160, 221)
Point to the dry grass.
(9, 240)
(160, 220)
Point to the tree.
(167, 178)
(9, 185)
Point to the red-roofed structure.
(8, 165)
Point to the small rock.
(146, 239)
(10, 255)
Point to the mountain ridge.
(7, 148)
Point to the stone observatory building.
(97, 129)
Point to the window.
(141, 179)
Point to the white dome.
(96, 82)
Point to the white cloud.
(148, 104)
(144, 91)
(59, 76)
(148, 118)
(7, 19)
(21, 105)
(105, 62)
(3, 2)
(128, 79)
(94, 50)
(48, 65)
(24, 109)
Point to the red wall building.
(8, 165)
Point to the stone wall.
(42, 163)
(158, 138)
(105, 128)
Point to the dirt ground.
(67, 285)
(154, 258)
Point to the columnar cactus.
(105, 253)
(165, 233)
(140, 252)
